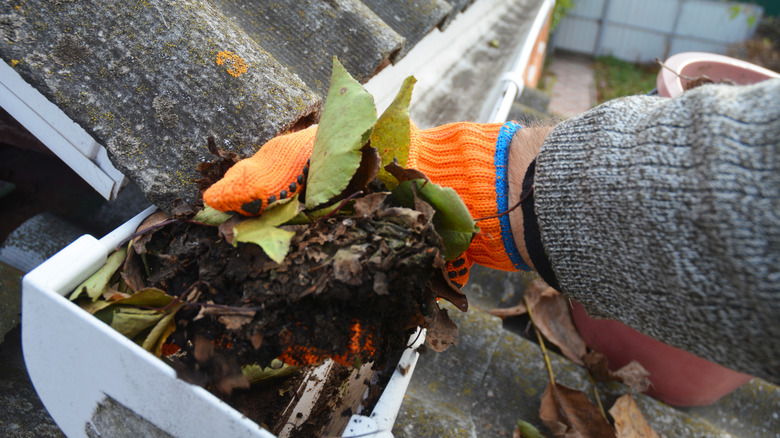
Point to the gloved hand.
(471, 158)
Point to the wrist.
(525, 146)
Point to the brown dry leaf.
(366, 172)
(182, 210)
(598, 366)
(219, 311)
(235, 321)
(441, 331)
(553, 319)
(215, 368)
(569, 413)
(367, 205)
(346, 264)
(213, 171)
(226, 228)
(114, 295)
(402, 174)
(256, 339)
(131, 271)
(139, 243)
(629, 421)
(635, 376)
(443, 288)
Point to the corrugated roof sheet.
(151, 80)
(304, 35)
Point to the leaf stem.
(596, 394)
(343, 203)
(541, 341)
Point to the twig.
(522, 199)
(343, 202)
(225, 307)
(154, 227)
(687, 78)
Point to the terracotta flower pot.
(679, 378)
(716, 67)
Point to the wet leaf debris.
(344, 266)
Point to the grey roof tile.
(151, 81)
(412, 20)
(304, 35)
(457, 6)
(144, 80)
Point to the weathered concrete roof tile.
(151, 80)
(304, 35)
(457, 6)
(412, 20)
(145, 80)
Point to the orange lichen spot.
(14, 62)
(236, 66)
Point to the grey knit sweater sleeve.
(665, 214)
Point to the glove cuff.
(471, 158)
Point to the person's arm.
(665, 214)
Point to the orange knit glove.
(468, 157)
(274, 172)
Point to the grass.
(617, 78)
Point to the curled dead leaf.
(633, 374)
(553, 319)
(369, 204)
(131, 271)
(402, 174)
(226, 228)
(441, 331)
(235, 320)
(443, 288)
(629, 421)
(139, 242)
(569, 413)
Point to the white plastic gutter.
(380, 423)
(64, 137)
(436, 54)
(514, 78)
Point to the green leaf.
(164, 327)
(278, 369)
(452, 220)
(345, 126)
(527, 430)
(131, 321)
(263, 230)
(211, 216)
(322, 212)
(97, 283)
(149, 297)
(391, 136)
